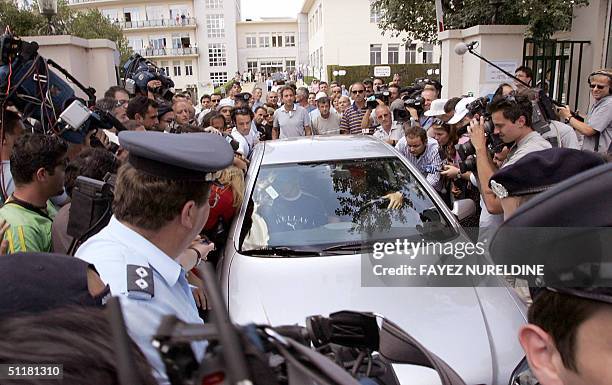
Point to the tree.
(418, 17)
(88, 24)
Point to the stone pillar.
(92, 62)
(465, 74)
(589, 24)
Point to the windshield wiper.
(350, 246)
(281, 251)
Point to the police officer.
(567, 229)
(537, 172)
(160, 206)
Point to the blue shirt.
(428, 163)
(110, 251)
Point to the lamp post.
(48, 8)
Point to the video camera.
(412, 95)
(346, 348)
(466, 151)
(91, 208)
(140, 71)
(27, 82)
(77, 120)
(382, 95)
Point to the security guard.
(160, 206)
(568, 230)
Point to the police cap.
(538, 171)
(192, 156)
(568, 230)
(163, 109)
(243, 96)
(36, 282)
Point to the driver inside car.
(292, 208)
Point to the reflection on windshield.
(326, 203)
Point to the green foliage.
(418, 18)
(88, 24)
(408, 72)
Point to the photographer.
(423, 152)
(511, 118)
(597, 129)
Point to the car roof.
(321, 148)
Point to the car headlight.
(522, 374)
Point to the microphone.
(462, 48)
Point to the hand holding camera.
(477, 134)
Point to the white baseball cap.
(437, 108)
(461, 110)
(320, 95)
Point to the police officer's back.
(160, 206)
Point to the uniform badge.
(499, 190)
(140, 281)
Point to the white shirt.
(396, 133)
(245, 143)
(111, 251)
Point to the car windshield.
(317, 206)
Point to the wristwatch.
(458, 176)
(567, 121)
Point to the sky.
(255, 9)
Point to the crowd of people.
(176, 195)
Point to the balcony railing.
(146, 52)
(178, 22)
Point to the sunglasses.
(121, 103)
(598, 86)
(358, 92)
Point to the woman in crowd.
(225, 199)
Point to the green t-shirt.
(29, 231)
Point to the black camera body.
(466, 151)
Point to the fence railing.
(556, 65)
(178, 22)
(166, 51)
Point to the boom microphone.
(462, 48)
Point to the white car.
(295, 250)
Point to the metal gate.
(556, 67)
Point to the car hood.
(451, 322)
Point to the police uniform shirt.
(135, 269)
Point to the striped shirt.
(351, 120)
(429, 163)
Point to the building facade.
(345, 32)
(193, 40)
(268, 45)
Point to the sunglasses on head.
(598, 86)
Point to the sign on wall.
(382, 71)
(494, 75)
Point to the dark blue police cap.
(36, 282)
(163, 109)
(568, 229)
(193, 156)
(539, 171)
